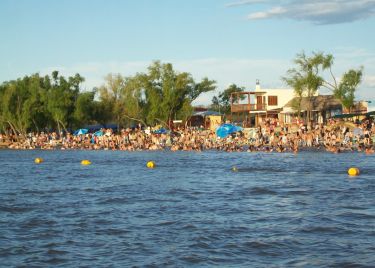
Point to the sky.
(230, 41)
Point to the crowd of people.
(270, 136)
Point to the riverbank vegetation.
(36, 103)
(314, 72)
(157, 96)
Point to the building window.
(272, 100)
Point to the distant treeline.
(158, 96)
(55, 102)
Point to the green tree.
(308, 77)
(295, 81)
(112, 94)
(84, 108)
(347, 87)
(344, 90)
(305, 78)
(61, 99)
(14, 112)
(102, 113)
(222, 102)
(35, 103)
(169, 94)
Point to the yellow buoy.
(85, 162)
(38, 160)
(234, 169)
(151, 164)
(353, 171)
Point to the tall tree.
(347, 87)
(84, 109)
(305, 78)
(61, 99)
(15, 102)
(111, 95)
(169, 94)
(296, 82)
(344, 90)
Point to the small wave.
(231, 246)
(200, 245)
(89, 190)
(350, 265)
(16, 209)
(36, 192)
(56, 252)
(193, 259)
(189, 227)
(257, 245)
(166, 223)
(56, 261)
(354, 207)
(35, 222)
(235, 230)
(262, 169)
(324, 229)
(357, 216)
(114, 200)
(260, 191)
(112, 231)
(296, 192)
(176, 191)
(103, 222)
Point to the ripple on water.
(334, 230)
(16, 209)
(192, 210)
(56, 252)
(260, 191)
(193, 259)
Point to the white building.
(260, 104)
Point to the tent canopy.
(225, 130)
(80, 131)
(161, 131)
(345, 115)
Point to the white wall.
(283, 96)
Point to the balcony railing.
(237, 108)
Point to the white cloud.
(245, 2)
(275, 11)
(316, 11)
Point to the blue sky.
(230, 41)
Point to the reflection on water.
(277, 210)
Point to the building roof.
(318, 103)
(206, 113)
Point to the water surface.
(278, 210)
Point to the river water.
(278, 210)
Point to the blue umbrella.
(98, 133)
(80, 131)
(226, 129)
(160, 131)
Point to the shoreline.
(246, 149)
(272, 136)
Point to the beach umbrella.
(80, 131)
(226, 129)
(98, 133)
(160, 131)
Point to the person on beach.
(270, 136)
